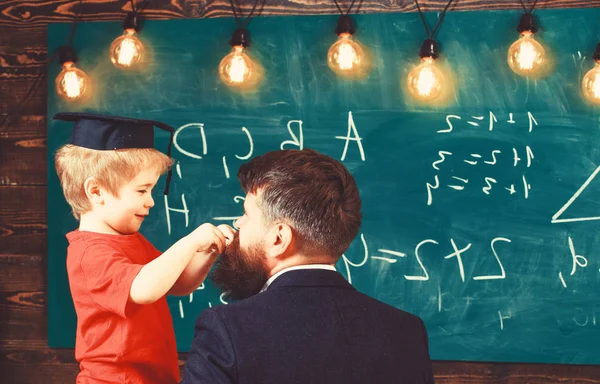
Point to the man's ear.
(280, 240)
(93, 191)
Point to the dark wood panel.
(26, 238)
(23, 160)
(23, 227)
(23, 131)
(21, 323)
(23, 206)
(23, 269)
(22, 273)
(34, 13)
(20, 319)
(26, 127)
(447, 372)
(22, 36)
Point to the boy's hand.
(208, 239)
(228, 232)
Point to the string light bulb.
(238, 69)
(346, 57)
(526, 56)
(590, 84)
(72, 84)
(426, 81)
(127, 51)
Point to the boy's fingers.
(228, 232)
(220, 240)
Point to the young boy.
(118, 280)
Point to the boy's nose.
(149, 202)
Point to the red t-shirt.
(118, 341)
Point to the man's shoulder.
(276, 300)
(251, 304)
(241, 312)
(391, 311)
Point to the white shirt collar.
(306, 266)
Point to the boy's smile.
(124, 214)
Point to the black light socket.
(240, 37)
(66, 53)
(429, 49)
(527, 24)
(596, 56)
(133, 21)
(345, 24)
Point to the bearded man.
(295, 319)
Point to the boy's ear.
(93, 191)
(280, 240)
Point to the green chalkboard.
(481, 216)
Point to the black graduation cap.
(105, 133)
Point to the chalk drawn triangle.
(556, 219)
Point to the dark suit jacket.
(310, 326)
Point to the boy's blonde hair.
(112, 169)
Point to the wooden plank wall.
(24, 355)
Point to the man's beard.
(240, 273)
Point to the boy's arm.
(196, 271)
(157, 277)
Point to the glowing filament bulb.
(426, 81)
(72, 83)
(126, 50)
(526, 56)
(591, 84)
(346, 56)
(237, 69)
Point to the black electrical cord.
(138, 9)
(431, 34)
(74, 26)
(240, 24)
(532, 7)
(340, 9)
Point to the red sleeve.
(108, 275)
(152, 252)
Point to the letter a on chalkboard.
(555, 218)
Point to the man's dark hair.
(311, 192)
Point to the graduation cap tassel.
(169, 175)
(170, 172)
